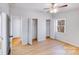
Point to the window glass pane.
(60, 25)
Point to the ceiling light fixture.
(54, 11)
(51, 11)
(55, 5)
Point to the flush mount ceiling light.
(53, 7)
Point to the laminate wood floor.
(47, 47)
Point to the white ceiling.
(41, 6)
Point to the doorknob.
(10, 36)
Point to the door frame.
(49, 27)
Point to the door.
(4, 33)
(0, 36)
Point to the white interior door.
(0, 36)
(5, 33)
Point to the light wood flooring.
(47, 47)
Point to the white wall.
(25, 30)
(41, 30)
(31, 13)
(4, 7)
(16, 26)
(30, 31)
(71, 34)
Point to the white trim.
(56, 25)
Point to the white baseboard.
(76, 45)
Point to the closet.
(34, 29)
(48, 28)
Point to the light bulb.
(55, 10)
(51, 11)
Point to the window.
(60, 25)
